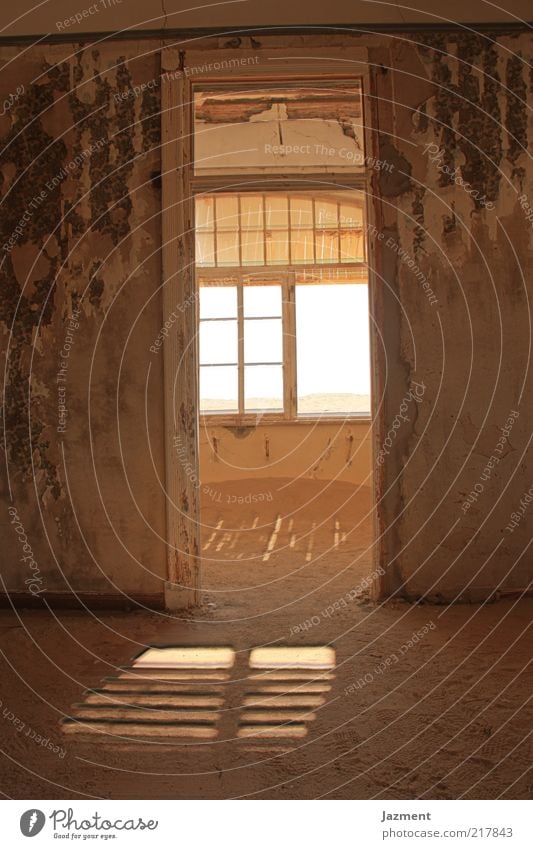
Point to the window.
(242, 230)
(241, 349)
(281, 271)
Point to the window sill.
(222, 420)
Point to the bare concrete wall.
(459, 363)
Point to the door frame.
(181, 70)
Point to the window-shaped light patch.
(293, 657)
(186, 657)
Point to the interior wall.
(96, 233)
(81, 304)
(319, 451)
(456, 222)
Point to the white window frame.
(286, 278)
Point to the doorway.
(281, 266)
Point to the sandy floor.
(423, 701)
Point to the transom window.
(282, 272)
(278, 229)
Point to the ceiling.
(27, 17)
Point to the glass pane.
(252, 212)
(204, 213)
(227, 248)
(205, 249)
(277, 212)
(218, 302)
(259, 247)
(218, 342)
(262, 300)
(326, 214)
(277, 247)
(352, 246)
(219, 389)
(332, 348)
(302, 244)
(327, 246)
(227, 212)
(263, 340)
(301, 213)
(351, 216)
(263, 388)
(253, 247)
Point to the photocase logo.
(32, 822)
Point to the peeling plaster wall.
(323, 451)
(471, 348)
(80, 305)
(93, 244)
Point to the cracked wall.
(87, 254)
(461, 119)
(80, 302)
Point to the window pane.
(352, 246)
(253, 247)
(327, 246)
(334, 374)
(302, 244)
(252, 212)
(301, 213)
(227, 212)
(263, 388)
(277, 212)
(326, 214)
(262, 300)
(205, 249)
(218, 302)
(204, 213)
(263, 340)
(351, 216)
(277, 247)
(227, 248)
(218, 342)
(219, 389)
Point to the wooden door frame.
(180, 71)
(180, 358)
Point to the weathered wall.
(467, 96)
(81, 302)
(320, 451)
(93, 242)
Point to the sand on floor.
(424, 701)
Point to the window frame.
(286, 280)
(241, 363)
